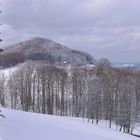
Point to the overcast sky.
(103, 28)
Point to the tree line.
(96, 93)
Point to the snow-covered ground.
(137, 129)
(8, 71)
(20, 125)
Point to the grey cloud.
(106, 28)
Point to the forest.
(94, 92)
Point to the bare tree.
(2, 88)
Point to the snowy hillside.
(38, 48)
(28, 126)
(8, 71)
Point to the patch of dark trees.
(41, 56)
(1, 50)
(12, 59)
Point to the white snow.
(137, 129)
(20, 125)
(8, 71)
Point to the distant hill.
(42, 49)
(135, 66)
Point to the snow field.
(20, 125)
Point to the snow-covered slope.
(38, 48)
(137, 129)
(20, 125)
(8, 71)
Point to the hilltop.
(42, 49)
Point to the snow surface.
(20, 125)
(8, 71)
(137, 129)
